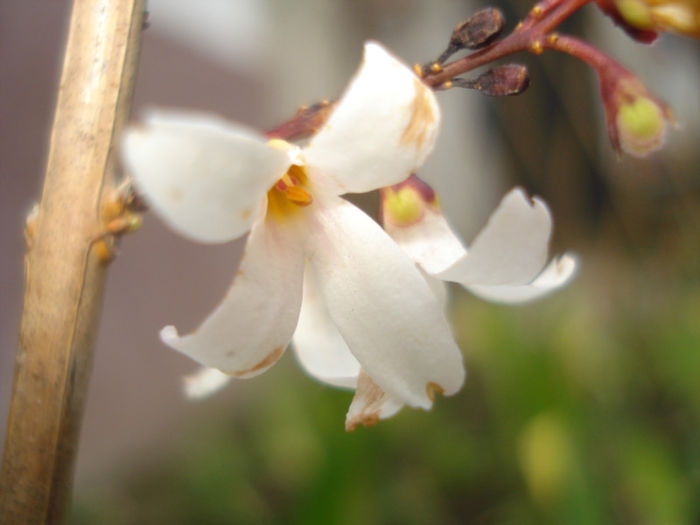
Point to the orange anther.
(298, 196)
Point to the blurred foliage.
(581, 409)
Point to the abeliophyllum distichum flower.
(362, 305)
(307, 247)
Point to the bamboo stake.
(64, 278)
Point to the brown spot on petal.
(366, 405)
(367, 420)
(421, 119)
(431, 388)
(271, 358)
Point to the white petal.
(318, 345)
(382, 306)
(438, 287)
(429, 241)
(370, 404)
(557, 274)
(204, 382)
(511, 249)
(205, 177)
(382, 129)
(249, 330)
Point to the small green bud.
(641, 126)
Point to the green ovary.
(403, 207)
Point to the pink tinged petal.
(370, 404)
(511, 249)
(382, 129)
(248, 332)
(319, 347)
(204, 383)
(205, 177)
(557, 274)
(382, 306)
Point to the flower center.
(290, 193)
(291, 186)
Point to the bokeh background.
(581, 408)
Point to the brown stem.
(64, 280)
(530, 35)
(526, 37)
(583, 51)
(555, 14)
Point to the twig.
(65, 280)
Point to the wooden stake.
(64, 279)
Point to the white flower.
(506, 261)
(213, 182)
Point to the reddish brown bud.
(478, 30)
(501, 81)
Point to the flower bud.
(644, 18)
(637, 121)
(510, 79)
(478, 30)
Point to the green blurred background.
(583, 408)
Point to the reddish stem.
(307, 121)
(530, 35)
(582, 50)
(527, 36)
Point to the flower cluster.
(637, 120)
(362, 305)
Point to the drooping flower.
(506, 261)
(213, 181)
(644, 18)
(637, 120)
(505, 264)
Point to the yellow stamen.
(289, 192)
(298, 196)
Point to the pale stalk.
(64, 278)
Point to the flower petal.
(411, 216)
(557, 274)
(318, 345)
(382, 129)
(204, 382)
(382, 306)
(511, 249)
(248, 332)
(205, 177)
(370, 404)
